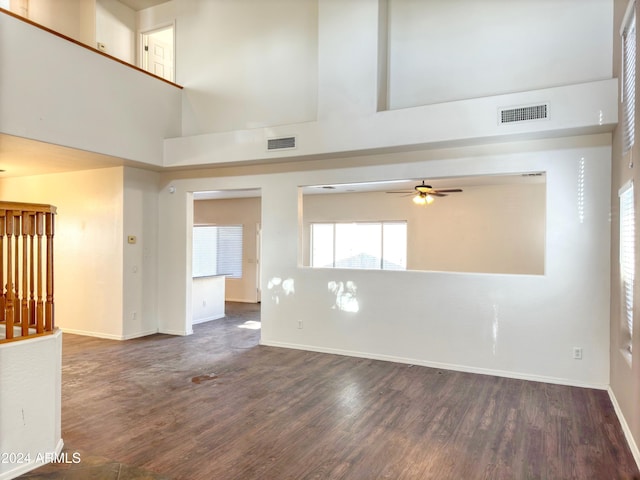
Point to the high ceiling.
(24, 157)
(142, 4)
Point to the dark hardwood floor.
(215, 405)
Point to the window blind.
(627, 260)
(217, 250)
(629, 78)
(204, 252)
(230, 251)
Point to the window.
(217, 250)
(627, 261)
(365, 245)
(628, 32)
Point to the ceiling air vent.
(282, 143)
(523, 114)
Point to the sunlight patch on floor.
(250, 325)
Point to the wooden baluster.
(24, 316)
(49, 320)
(26, 264)
(32, 298)
(16, 277)
(39, 302)
(9, 292)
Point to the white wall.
(159, 16)
(31, 401)
(576, 109)
(580, 97)
(246, 64)
(486, 228)
(73, 18)
(88, 245)
(104, 106)
(347, 58)
(245, 211)
(104, 286)
(207, 299)
(140, 219)
(523, 326)
(270, 65)
(625, 376)
(18, 7)
(436, 47)
(116, 29)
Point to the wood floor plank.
(216, 405)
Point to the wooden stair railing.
(26, 270)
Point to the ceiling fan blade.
(400, 191)
(447, 190)
(437, 194)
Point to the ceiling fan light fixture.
(424, 194)
(420, 200)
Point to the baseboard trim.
(208, 319)
(88, 333)
(181, 333)
(633, 446)
(32, 465)
(139, 334)
(443, 366)
(107, 336)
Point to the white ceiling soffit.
(20, 157)
(224, 194)
(386, 185)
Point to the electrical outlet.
(577, 353)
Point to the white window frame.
(628, 77)
(627, 264)
(382, 223)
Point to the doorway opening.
(226, 251)
(157, 52)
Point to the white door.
(157, 53)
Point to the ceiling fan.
(424, 194)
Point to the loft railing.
(22, 18)
(26, 270)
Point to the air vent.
(282, 143)
(523, 114)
